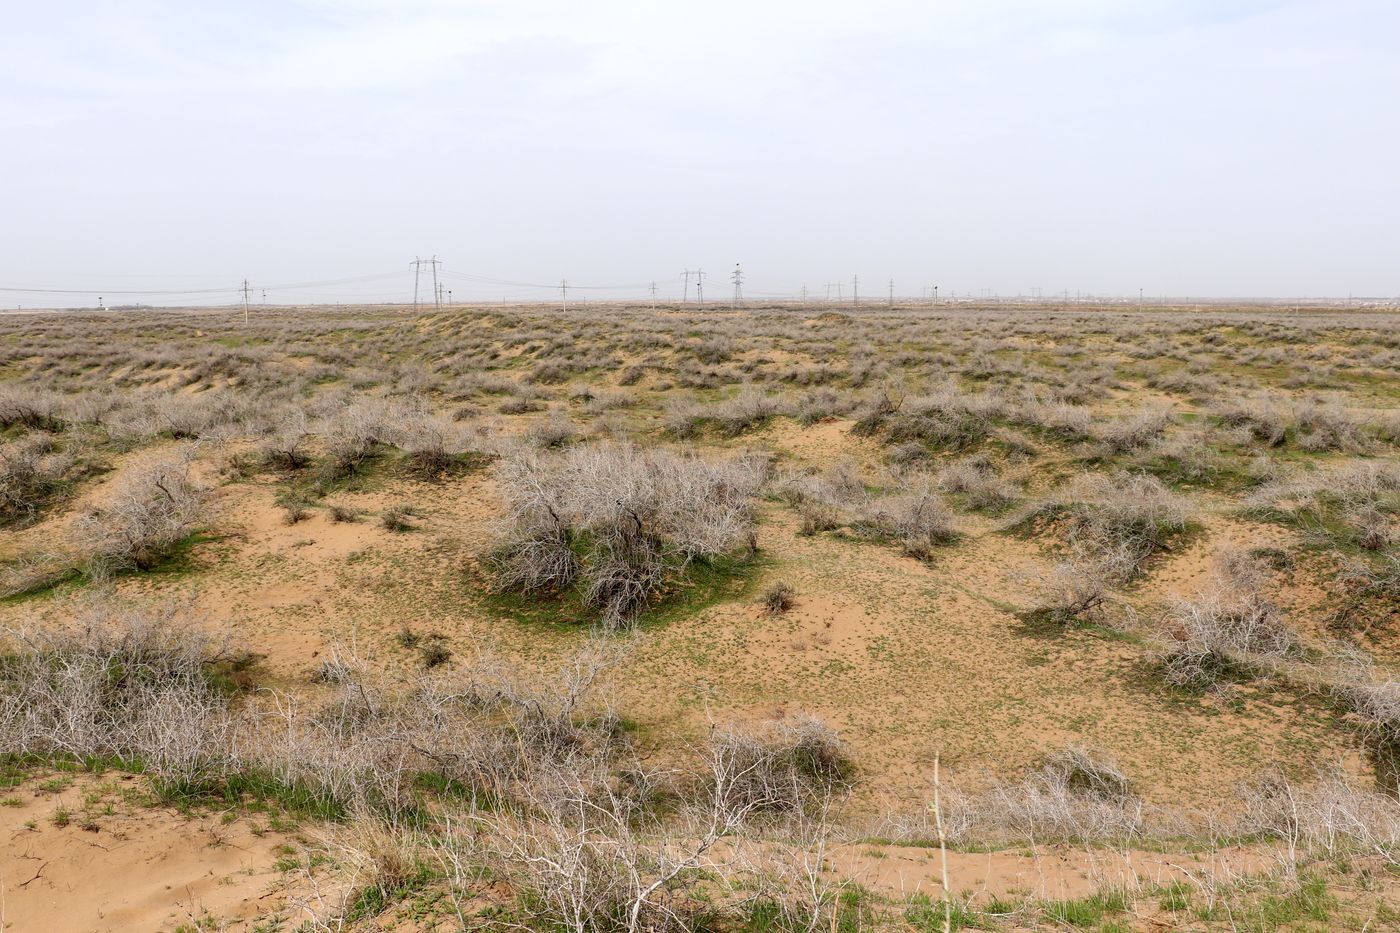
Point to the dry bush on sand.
(130, 682)
(1074, 796)
(1228, 630)
(1126, 517)
(620, 522)
(154, 507)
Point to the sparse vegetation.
(1194, 512)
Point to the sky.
(154, 149)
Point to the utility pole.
(245, 301)
(700, 287)
(804, 294)
(855, 291)
(686, 273)
(653, 296)
(891, 294)
(564, 290)
(738, 276)
(264, 294)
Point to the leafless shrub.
(621, 521)
(1127, 517)
(782, 767)
(1073, 591)
(1229, 629)
(1369, 594)
(1265, 423)
(978, 480)
(1074, 796)
(287, 448)
(1323, 426)
(917, 520)
(122, 681)
(746, 410)
(556, 430)
(31, 471)
(344, 513)
(1331, 815)
(431, 443)
(1124, 435)
(397, 518)
(32, 408)
(153, 508)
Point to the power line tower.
(855, 291)
(564, 290)
(700, 287)
(686, 274)
(891, 294)
(418, 265)
(246, 290)
(653, 296)
(804, 294)
(738, 276)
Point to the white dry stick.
(942, 848)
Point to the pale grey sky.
(1195, 147)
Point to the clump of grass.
(343, 513)
(398, 518)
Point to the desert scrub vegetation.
(1123, 519)
(618, 526)
(154, 507)
(909, 512)
(1231, 630)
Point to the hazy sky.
(1194, 147)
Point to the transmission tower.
(855, 291)
(245, 301)
(418, 265)
(738, 276)
(653, 296)
(686, 274)
(700, 287)
(564, 290)
(891, 294)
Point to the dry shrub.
(31, 471)
(1331, 815)
(1074, 796)
(1124, 435)
(553, 431)
(31, 408)
(1074, 590)
(1328, 426)
(781, 767)
(919, 521)
(154, 507)
(1228, 630)
(977, 479)
(1125, 517)
(129, 682)
(947, 419)
(778, 598)
(1265, 423)
(1369, 594)
(287, 448)
(432, 444)
(620, 522)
